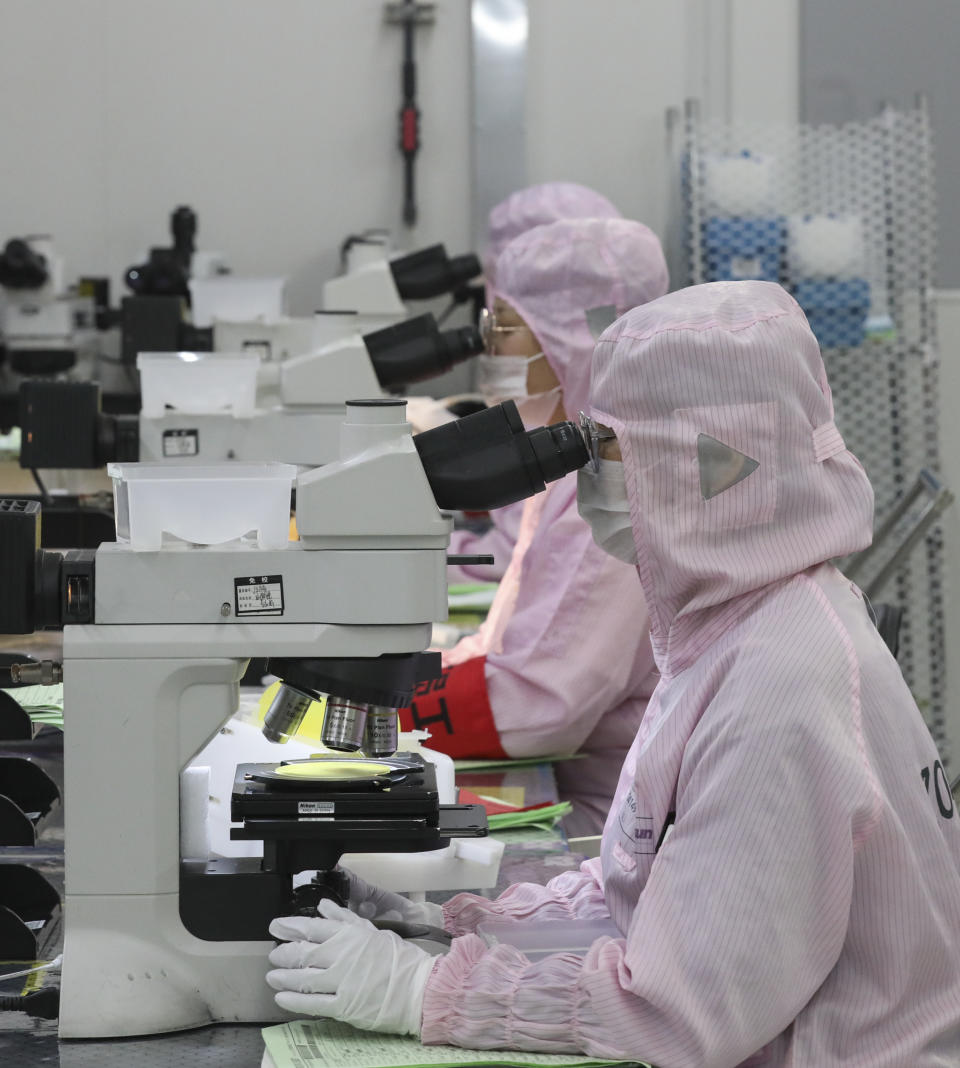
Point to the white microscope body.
(157, 632)
(242, 406)
(155, 677)
(369, 289)
(309, 366)
(378, 281)
(44, 318)
(216, 407)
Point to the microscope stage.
(402, 785)
(349, 772)
(392, 805)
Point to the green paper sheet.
(43, 704)
(523, 762)
(469, 603)
(534, 817)
(331, 1044)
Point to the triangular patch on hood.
(721, 466)
(598, 319)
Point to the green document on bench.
(331, 1044)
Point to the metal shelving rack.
(854, 209)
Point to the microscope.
(278, 395)
(295, 407)
(207, 408)
(376, 301)
(154, 643)
(154, 318)
(378, 283)
(43, 319)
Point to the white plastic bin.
(229, 297)
(198, 383)
(202, 504)
(826, 246)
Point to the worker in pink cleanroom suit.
(782, 857)
(562, 663)
(537, 205)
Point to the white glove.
(372, 903)
(339, 965)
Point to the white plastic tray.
(197, 382)
(202, 504)
(229, 297)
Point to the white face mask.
(602, 502)
(501, 378)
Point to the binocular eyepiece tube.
(417, 348)
(489, 459)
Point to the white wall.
(601, 76)
(276, 120)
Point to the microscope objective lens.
(344, 722)
(381, 736)
(285, 714)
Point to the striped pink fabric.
(537, 205)
(569, 667)
(498, 541)
(552, 275)
(782, 854)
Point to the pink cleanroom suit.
(536, 205)
(782, 855)
(568, 666)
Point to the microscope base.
(131, 968)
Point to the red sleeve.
(456, 710)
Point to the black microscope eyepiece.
(167, 270)
(416, 349)
(489, 459)
(22, 267)
(183, 229)
(430, 272)
(464, 268)
(163, 275)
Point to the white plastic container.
(826, 246)
(740, 184)
(198, 383)
(229, 297)
(202, 504)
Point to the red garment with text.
(455, 709)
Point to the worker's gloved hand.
(372, 903)
(340, 966)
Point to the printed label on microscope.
(258, 595)
(181, 443)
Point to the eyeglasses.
(490, 329)
(593, 433)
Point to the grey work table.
(530, 855)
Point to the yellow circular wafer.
(334, 770)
